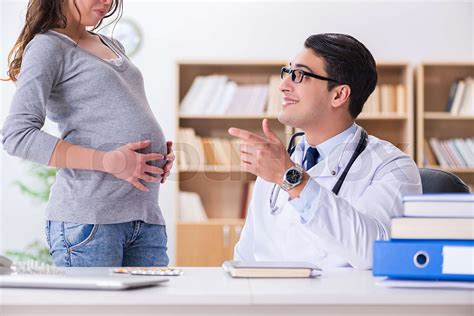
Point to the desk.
(210, 291)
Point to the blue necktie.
(311, 157)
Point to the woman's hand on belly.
(126, 164)
(170, 157)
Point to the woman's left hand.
(170, 157)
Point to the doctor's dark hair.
(346, 60)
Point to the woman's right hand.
(126, 164)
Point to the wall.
(262, 30)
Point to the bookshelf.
(434, 81)
(223, 189)
(385, 119)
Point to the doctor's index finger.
(246, 135)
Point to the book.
(388, 98)
(439, 205)
(452, 93)
(429, 155)
(221, 151)
(468, 156)
(191, 207)
(275, 97)
(432, 228)
(215, 102)
(456, 106)
(226, 98)
(187, 105)
(467, 103)
(448, 154)
(372, 105)
(461, 161)
(401, 99)
(263, 269)
(438, 151)
(424, 259)
(209, 151)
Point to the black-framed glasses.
(297, 75)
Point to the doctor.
(333, 196)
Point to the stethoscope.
(364, 138)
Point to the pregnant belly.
(102, 186)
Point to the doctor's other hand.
(265, 157)
(126, 164)
(170, 157)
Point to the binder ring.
(421, 259)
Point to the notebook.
(262, 269)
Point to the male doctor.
(299, 211)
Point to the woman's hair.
(41, 16)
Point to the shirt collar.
(327, 147)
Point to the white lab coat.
(339, 230)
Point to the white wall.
(173, 30)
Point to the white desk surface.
(200, 288)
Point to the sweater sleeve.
(40, 72)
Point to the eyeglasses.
(297, 75)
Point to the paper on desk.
(426, 284)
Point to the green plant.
(45, 177)
(35, 251)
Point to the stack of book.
(386, 98)
(195, 151)
(433, 241)
(461, 97)
(217, 95)
(455, 152)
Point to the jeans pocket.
(47, 233)
(78, 235)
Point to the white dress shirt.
(327, 229)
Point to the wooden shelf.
(382, 116)
(362, 116)
(228, 117)
(217, 169)
(434, 81)
(447, 116)
(215, 221)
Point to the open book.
(261, 269)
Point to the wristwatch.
(292, 177)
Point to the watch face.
(293, 176)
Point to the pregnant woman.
(112, 155)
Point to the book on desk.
(261, 269)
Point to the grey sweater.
(96, 104)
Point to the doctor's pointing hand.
(264, 157)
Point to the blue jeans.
(132, 244)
